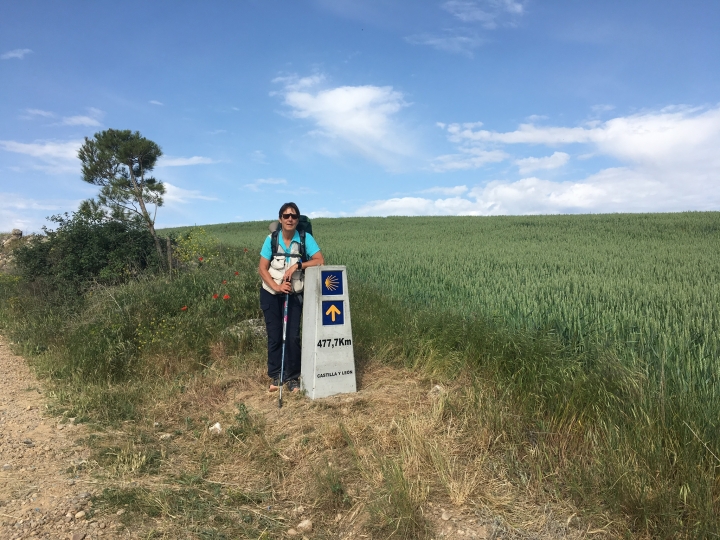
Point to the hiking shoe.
(274, 385)
(293, 385)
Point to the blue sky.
(367, 107)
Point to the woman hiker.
(282, 279)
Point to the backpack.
(304, 226)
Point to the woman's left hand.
(289, 272)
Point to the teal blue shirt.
(311, 247)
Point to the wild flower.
(184, 308)
(226, 297)
(224, 281)
(200, 259)
(237, 273)
(215, 296)
(245, 250)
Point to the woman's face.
(289, 219)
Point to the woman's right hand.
(285, 287)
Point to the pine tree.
(118, 161)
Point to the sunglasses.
(290, 216)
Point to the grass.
(396, 510)
(202, 510)
(329, 464)
(545, 385)
(604, 328)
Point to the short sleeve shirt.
(311, 246)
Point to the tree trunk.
(146, 215)
(154, 235)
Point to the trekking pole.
(282, 358)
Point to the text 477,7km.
(334, 342)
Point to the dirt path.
(43, 490)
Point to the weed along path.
(44, 492)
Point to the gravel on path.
(44, 492)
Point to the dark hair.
(286, 206)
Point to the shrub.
(87, 248)
(147, 326)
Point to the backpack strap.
(274, 241)
(274, 245)
(303, 252)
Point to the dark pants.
(272, 306)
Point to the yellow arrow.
(332, 311)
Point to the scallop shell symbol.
(331, 282)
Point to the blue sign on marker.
(333, 312)
(332, 282)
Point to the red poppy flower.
(237, 273)
(224, 281)
(200, 259)
(184, 308)
(215, 296)
(226, 297)
(245, 250)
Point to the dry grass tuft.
(381, 463)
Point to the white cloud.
(326, 213)
(360, 118)
(668, 162)
(452, 41)
(472, 155)
(617, 189)
(672, 136)
(530, 164)
(80, 121)
(155, 102)
(455, 190)
(488, 13)
(90, 120)
(526, 133)
(535, 196)
(12, 201)
(39, 112)
(259, 156)
(418, 206)
(53, 157)
(611, 190)
(485, 12)
(183, 161)
(15, 53)
(536, 118)
(18, 212)
(469, 158)
(257, 184)
(45, 150)
(178, 195)
(294, 83)
(12, 220)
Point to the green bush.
(87, 248)
(149, 325)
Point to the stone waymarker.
(328, 362)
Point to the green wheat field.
(648, 286)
